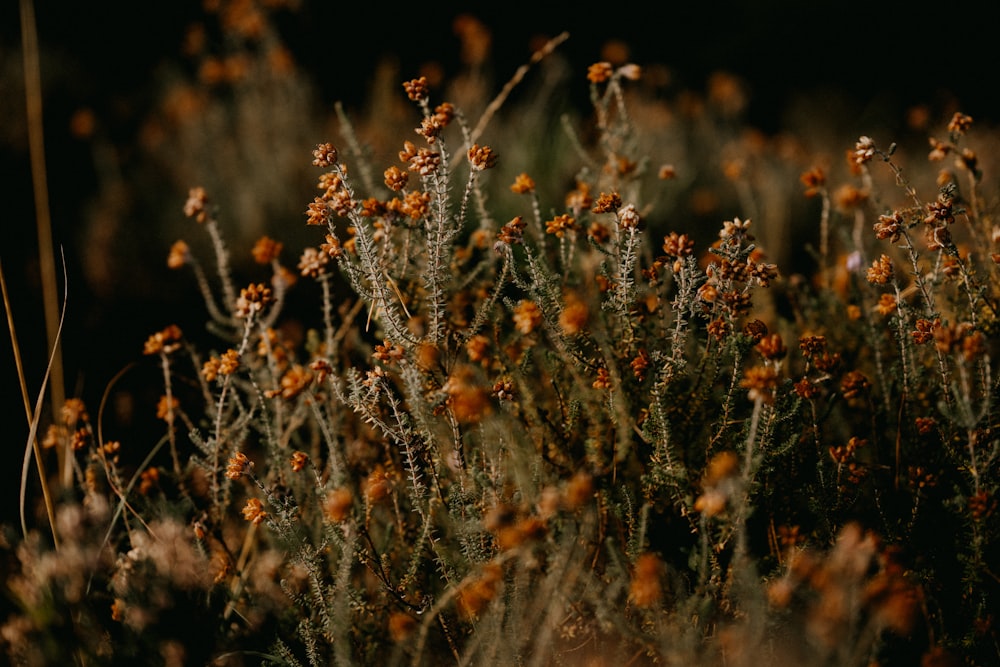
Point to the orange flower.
(299, 460)
(254, 512)
(239, 464)
(599, 72)
(527, 316)
(165, 409)
(338, 504)
(523, 184)
(266, 250)
(645, 589)
(195, 205)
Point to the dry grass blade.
(33, 431)
(47, 263)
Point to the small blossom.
(512, 232)
(886, 304)
(667, 172)
(960, 123)
(579, 490)
(503, 389)
(844, 453)
(195, 206)
(377, 485)
(254, 512)
(388, 352)
(293, 382)
(864, 150)
(755, 330)
(331, 248)
(849, 197)
(298, 461)
(607, 203)
(941, 211)
(640, 364)
(560, 224)
(253, 299)
(322, 369)
(645, 589)
(482, 157)
(527, 316)
(771, 347)
(599, 72)
(54, 435)
(854, 384)
(416, 205)
(340, 202)
(165, 341)
(631, 71)
(523, 184)
(408, 152)
(318, 212)
(165, 409)
(812, 346)
(416, 89)
(395, 178)
(227, 364)
(981, 505)
(814, 180)
(266, 250)
(718, 328)
(761, 381)
(628, 217)
(313, 263)
(677, 245)
(324, 155)
(468, 400)
(239, 465)
(180, 254)
(579, 199)
(939, 150)
(430, 128)
(474, 595)
(924, 330)
(603, 380)
(73, 411)
(880, 271)
(337, 505)
(598, 233)
(889, 227)
(118, 610)
(477, 348)
(444, 113)
(574, 316)
(734, 228)
(804, 388)
(329, 183)
(762, 273)
(925, 425)
(425, 162)
(148, 479)
(80, 439)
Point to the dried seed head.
(195, 206)
(417, 89)
(324, 155)
(482, 157)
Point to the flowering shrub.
(552, 434)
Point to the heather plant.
(549, 435)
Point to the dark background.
(103, 55)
